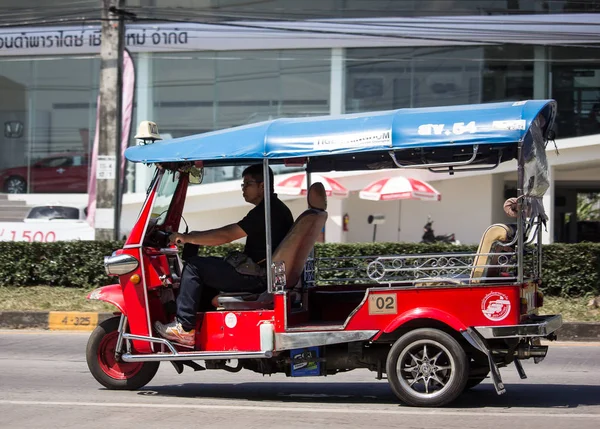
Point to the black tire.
(15, 185)
(479, 369)
(474, 381)
(436, 382)
(106, 370)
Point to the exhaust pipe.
(526, 351)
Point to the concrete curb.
(87, 321)
(52, 320)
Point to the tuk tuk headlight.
(117, 265)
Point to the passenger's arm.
(211, 237)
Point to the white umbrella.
(399, 188)
(296, 185)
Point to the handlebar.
(158, 239)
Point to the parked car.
(57, 173)
(56, 213)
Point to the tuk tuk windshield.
(164, 195)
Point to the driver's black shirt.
(253, 225)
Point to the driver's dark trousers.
(205, 277)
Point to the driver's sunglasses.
(248, 183)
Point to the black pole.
(119, 120)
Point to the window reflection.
(575, 86)
(48, 113)
(200, 92)
(393, 78)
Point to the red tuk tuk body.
(435, 324)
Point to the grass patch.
(571, 309)
(51, 298)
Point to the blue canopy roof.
(492, 124)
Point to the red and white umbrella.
(296, 185)
(399, 188)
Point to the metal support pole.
(119, 121)
(520, 220)
(109, 124)
(267, 198)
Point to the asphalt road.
(45, 383)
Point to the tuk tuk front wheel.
(427, 368)
(113, 374)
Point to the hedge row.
(568, 269)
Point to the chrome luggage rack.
(417, 269)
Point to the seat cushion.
(244, 301)
(491, 242)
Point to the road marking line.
(72, 321)
(419, 412)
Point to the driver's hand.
(176, 238)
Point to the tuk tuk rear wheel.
(427, 368)
(113, 374)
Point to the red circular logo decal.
(495, 306)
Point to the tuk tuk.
(432, 324)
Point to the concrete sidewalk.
(87, 321)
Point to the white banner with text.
(45, 232)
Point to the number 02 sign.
(383, 304)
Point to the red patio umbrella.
(399, 188)
(296, 185)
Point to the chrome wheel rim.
(426, 369)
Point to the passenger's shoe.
(174, 331)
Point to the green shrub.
(66, 263)
(568, 269)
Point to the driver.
(204, 277)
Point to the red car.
(56, 173)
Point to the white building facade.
(194, 77)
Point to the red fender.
(425, 313)
(113, 294)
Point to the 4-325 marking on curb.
(72, 321)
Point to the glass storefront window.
(394, 78)
(575, 85)
(507, 73)
(48, 115)
(199, 92)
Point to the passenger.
(218, 274)
(511, 208)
